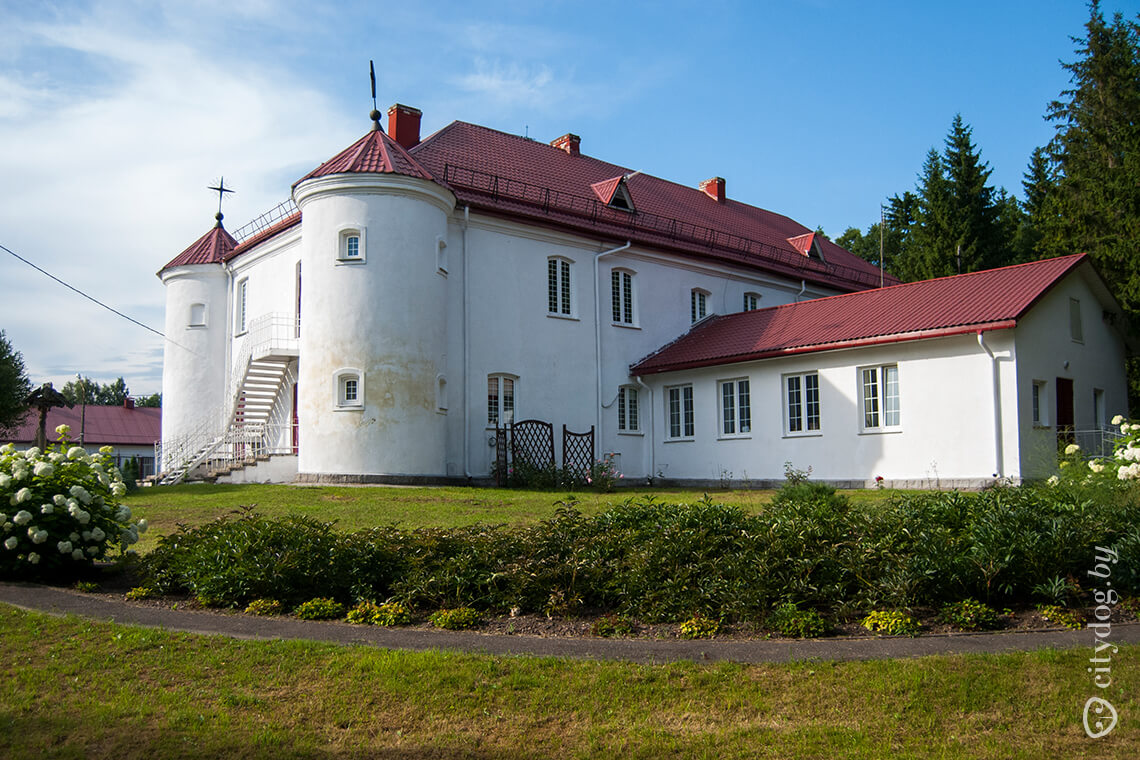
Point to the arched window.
(349, 384)
(350, 247)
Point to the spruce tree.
(14, 385)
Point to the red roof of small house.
(989, 300)
(375, 153)
(101, 425)
(517, 177)
(212, 248)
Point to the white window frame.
(678, 401)
(629, 411)
(1076, 329)
(343, 247)
(751, 301)
(561, 287)
(241, 306)
(796, 391)
(875, 399)
(499, 413)
(348, 383)
(1038, 403)
(197, 316)
(734, 407)
(698, 305)
(623, 297)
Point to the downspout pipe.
(652, 438)
(466, 354)
(598, 340)
(999, 468)
(803, 288)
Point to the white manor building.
(414, 296)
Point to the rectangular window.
(621, 292)
(239, 317)
(802, 407)
(500, 400)
(558, 286)
(698, 305)
(680, 412)
(627, 410)
(1037, 395)
(879, 397)
(350, 391)
(352, 247)
(751, 302)
(735, 407)
(1076, 331)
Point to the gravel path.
(59, 601)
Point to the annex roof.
(375, 153)
(101, 425)
(212, 248)
(518, 177)
(989, 300)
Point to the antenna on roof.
(221, 190)
(375, 115)
(882, 223)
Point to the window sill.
(347, 408)
(195, 327)
(632, 432)
(626, 325)
(349, 261)
(807, 434)
(734, 437)
(690, 439)
(880, 431)
(570, 317)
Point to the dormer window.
(808, 245)
(614, 193)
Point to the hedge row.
(666, 562)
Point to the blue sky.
(115, 116)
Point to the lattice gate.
(532, 443)
(577, 453)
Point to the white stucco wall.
(1046, 351)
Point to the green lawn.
(74, 688)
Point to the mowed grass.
(75, 688)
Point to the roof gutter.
(598, 339)
(879, 340)
(999, 469)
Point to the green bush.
(370, 613)
(790, 620)
(612, 625)
(321, 608)
(61, 510)
(970, 615)
(1060, 616)
(892, 623)
(264, 607)
(139, 592)
(699, 627)
(458, 619)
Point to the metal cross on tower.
(221, 190)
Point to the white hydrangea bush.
(60, 510)
(1123, 465)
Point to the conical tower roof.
(375, 153)
(211, 248)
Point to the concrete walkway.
(57, 601)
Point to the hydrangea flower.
(81, 493)
(43, 469)
(1118, 419)
(63, 431)
(39, 536)
(1071, 449)
(12, 542)
(98, 534)
(32, 453)
(108, 450)
(5, 480)
(46, 509)
(23, 517)
(64, 547)
(76, 452)
(59, 500)
(24, 494)
(77, 554)
(33, 558)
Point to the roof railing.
(549, 201)
(282, 210)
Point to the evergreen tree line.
(1081, 191)
(84, 390)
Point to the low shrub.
(699, 627)
(789, 620)
(970, 615)
(87, 587)
(892, 623)
(61, 510)
(1061, 616)
(612, 625)
(265, 607)
(458, 619)
(139, 592)
(320, 608)
(370, 613)
(364, 613)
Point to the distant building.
(414, 296)
(131, 431)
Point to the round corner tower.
(374, 325)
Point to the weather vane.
(221, 190)
(375, 115)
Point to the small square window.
(349, 389)
(751, 301)
(351, 246)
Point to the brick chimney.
(569, 143)
(714, 188)
(404, 125)
(128, 403)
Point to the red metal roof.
(374, 153)
(994, 299)
(606, 188)
(211, 248)
(272, 231)
(802, 243)
(102, 425)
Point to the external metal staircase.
(258, 421)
